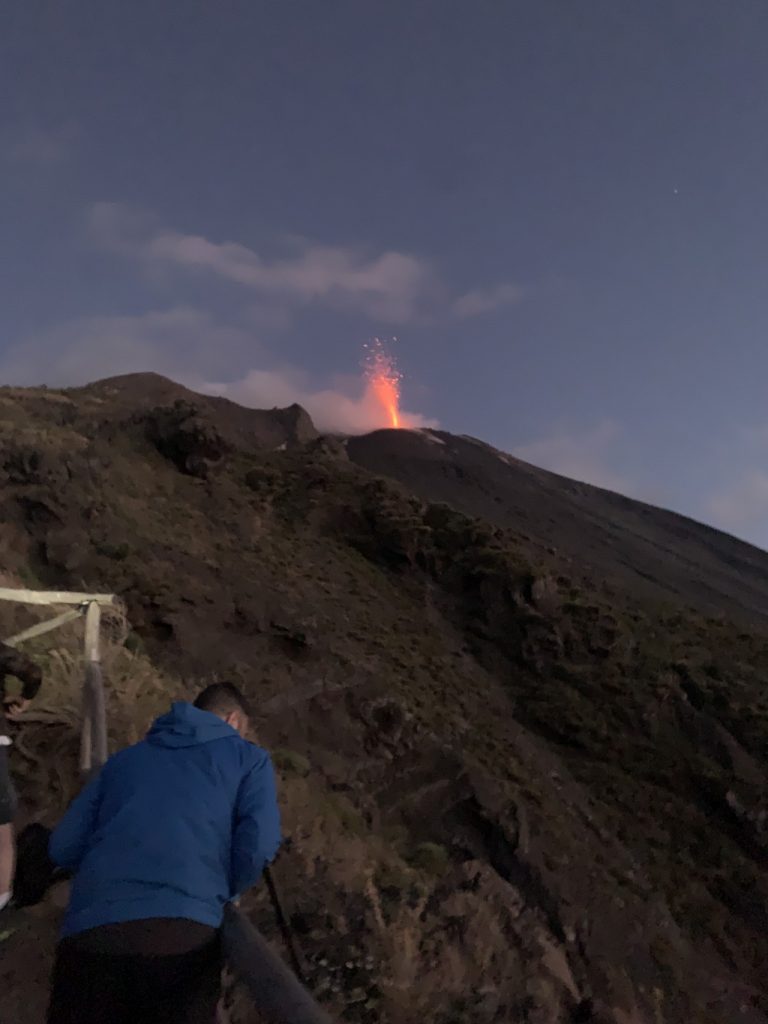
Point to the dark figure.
(12, 663)
(171, 831)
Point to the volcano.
(520, 722)
(649, 551)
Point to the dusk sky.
(558, 207)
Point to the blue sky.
(558, 208)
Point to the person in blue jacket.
(170, 831)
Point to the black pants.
(100, 978)
(8, 798)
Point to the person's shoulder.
(253, 756)
(235, 753)
(125, 756)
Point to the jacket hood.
(186, 726)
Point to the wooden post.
(41, 628)
(93, 742)
(93, 737)
(92, 626)
(53, 597)
(85, 733)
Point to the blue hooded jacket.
(175, 826)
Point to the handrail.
(41, 628)
(276, 992)
(93, 736)
(54, 597)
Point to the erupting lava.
(383, 378)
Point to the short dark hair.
(222, 699)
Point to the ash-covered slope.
(509, 796)
(134, 395)
(652, 552)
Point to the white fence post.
(93, 737)
(93, 743)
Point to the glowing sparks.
(383, 378)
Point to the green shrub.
(430, 858)
(393, 878)
(351, 820)
(116, 552)
(291, 763)
(134, 643)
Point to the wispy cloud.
(392, 286)
(190, 346)
(583, 455)
(42, 146)
(169, 341)
(742, 505)
(487, 300)
(738, 483)
(353, 410)
(389, 286)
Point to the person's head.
(226, 701)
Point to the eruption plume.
(383, 380)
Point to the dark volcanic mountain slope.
(509, 798)
(134, 396)
(664, 556)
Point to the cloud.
(190, 346)
(349, 411)
(738, 501)
(43, 146)
(390, 286)
(487, 300)
(89, 348)
(120, 228)
(583, 456)
(742, 505)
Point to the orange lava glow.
(384, 380)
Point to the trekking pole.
(285, 928)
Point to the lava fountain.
(383, 379)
